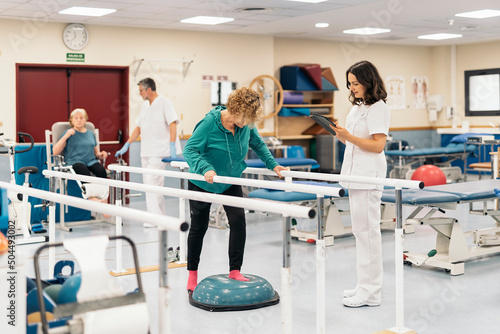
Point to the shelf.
(297, 137)
(292, 127)
(330, 105)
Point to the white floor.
(435, 302)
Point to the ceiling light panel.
(87, 11)
(308, 1)
(210, 20)
(366, 31)
(480, 14)
(439, 36)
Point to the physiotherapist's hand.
(279, 168)
(173, 152)
(209, 176)
(341, 132)
(123, 150)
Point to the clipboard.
(325, 122)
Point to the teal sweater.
(213, 147)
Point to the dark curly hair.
(245, 102)
(367, 75)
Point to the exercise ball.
(69, 289)
(430, 175)
(220, 293)
(53, 291)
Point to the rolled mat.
(293, 98)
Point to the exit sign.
(75, 57)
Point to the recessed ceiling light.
(480, 14)
(212, 20)
(253, 10)
(87, 11)
(308, 1)
(439, 36)
(321, 25)
(366, 31)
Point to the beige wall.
(240, 57)
(475, 57)
(390, 60)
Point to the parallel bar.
(164, 291)
(320, 269)
(286, 279)
(239, 202)
(165, 222)
(327, 177)
(356, 179)
(310, 189)
(398, 184)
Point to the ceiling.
(407, 19)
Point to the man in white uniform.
(157, 126)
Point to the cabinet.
(292, 127)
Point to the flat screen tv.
(482, 92)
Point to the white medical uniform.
(154, 121)
(364, 121)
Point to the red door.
(48, 93)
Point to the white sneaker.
(148, 225)
(350, 293)
(356, 301)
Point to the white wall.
(240, 57)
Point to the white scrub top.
(154, 120)
(364, 121)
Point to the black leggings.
(200, 215)
(97, 169)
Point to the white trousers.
(155, 203)
(365, 217)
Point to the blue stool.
(297, 151)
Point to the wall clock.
(75, 36)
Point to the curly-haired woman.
(218, 146)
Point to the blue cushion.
(462, 138)
(291, 196)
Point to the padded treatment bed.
(334, 210)
(451, 241)
(404, 160)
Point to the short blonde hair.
(78, 110)
(245, 102)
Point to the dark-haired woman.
(364, 135)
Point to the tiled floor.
(435, 302)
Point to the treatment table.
(334, 209)
(452, 247)
(403, 161)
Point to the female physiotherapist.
(364, 135)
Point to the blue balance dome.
(220, 293)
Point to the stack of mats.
(304, 77)
(307, 77)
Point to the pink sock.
(236, 275)
(192, 280)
